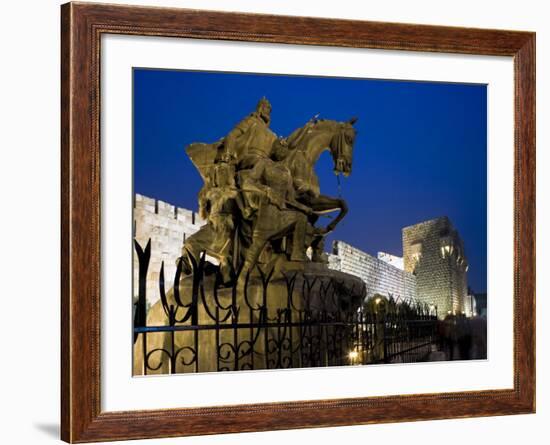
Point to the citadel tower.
(434, 252)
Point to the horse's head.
(341, 146)
(319, 135)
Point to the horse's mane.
(293, 136)
(317, 124)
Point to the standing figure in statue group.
(219, 204)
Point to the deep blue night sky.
(420, 152)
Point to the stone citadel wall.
(168, 227)
(379, 275)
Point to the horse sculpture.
(310, 142)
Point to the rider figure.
(251, 140)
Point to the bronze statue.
(261, 201)
(261, 197)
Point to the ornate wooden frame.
(81, 28)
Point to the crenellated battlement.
(168, 227)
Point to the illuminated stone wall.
(379, 275)
(394, 260)
(434, 252)
(168, 227)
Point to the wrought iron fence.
(263, 321)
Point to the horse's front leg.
(326, 204)
(340, 216)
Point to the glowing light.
(446, 250)
(353, 355)
(378, 300)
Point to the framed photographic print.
(284, 222)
